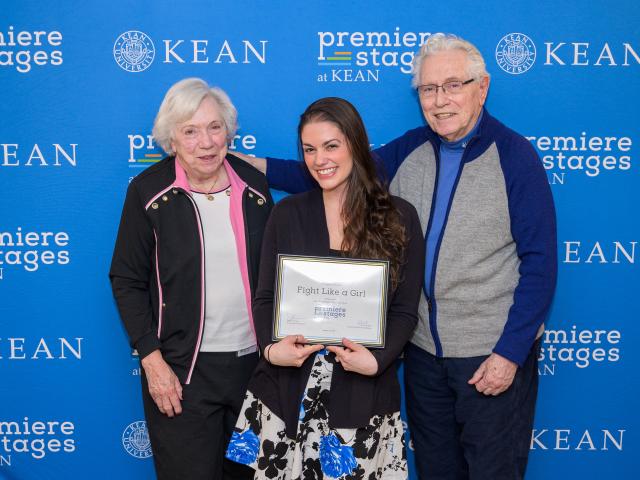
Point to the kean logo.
(134, 51)
(515, 53)
(135, 440)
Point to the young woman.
(312, 412)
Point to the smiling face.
(327, 155)
(451, 116)
(200, 143)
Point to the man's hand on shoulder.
(258, 163)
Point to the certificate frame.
(317, 309)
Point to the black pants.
(459, 433)
(192, 445)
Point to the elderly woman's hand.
(291, 351)
(164, 386)
(355, 358)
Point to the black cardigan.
(298, 226)
(157, 260)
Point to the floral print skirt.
(376, 451)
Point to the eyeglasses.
(448, 88)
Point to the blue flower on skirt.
(336, 459)
(243, 447)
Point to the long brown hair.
(372, 223)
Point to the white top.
(227, 327)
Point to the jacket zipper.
(252, 285)
(430, 295)
(160, 295)
(203, 287)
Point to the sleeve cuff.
(516, 355)
(147, 344)
(274, 170)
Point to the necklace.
(207, 191)
(208, 195)
(211, 198)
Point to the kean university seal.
(134, 51)
(135, 440)
(515, 53)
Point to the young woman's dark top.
(298, 226)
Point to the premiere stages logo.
(360, 56)
(516, 54)
(143, 151)
(32, 250)
(35, 438)
(578, 348)
(135, 440)
(136, 371)
(134, 51)
(25, 49)
(585, 154)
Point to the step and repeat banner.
(81, 82)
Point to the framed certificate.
(327, 299)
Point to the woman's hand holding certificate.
(355, 358)
(291, 351)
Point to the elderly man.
(490, 237)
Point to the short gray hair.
(180, 104)
(444, 42)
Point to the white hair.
(444, 42)
(180, 104)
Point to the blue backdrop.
(76, 124)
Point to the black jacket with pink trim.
(157, 270)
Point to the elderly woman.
(183, 273)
